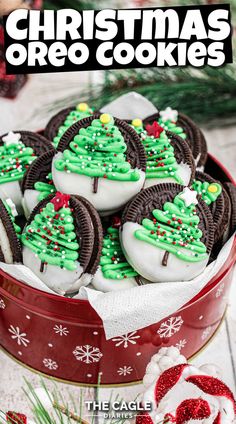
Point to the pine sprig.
(207, 95)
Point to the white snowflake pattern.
(126, 339)
(2, 304)
(170, 327)
(125, 370)
(220, 290)
(87, 354)
(181, 344)
(62, 331)
(50, 364)
(206, 333)
(18, 336)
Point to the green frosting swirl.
(74, 116)
(15, 158)
(173, 127)
(113, 263)
(51, 236)
(161, 162)
(98, 151)
(209, 192)
(175, 230)
(45, 189)
(16, 227)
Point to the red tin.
(65, 339)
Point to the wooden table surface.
(28, 111)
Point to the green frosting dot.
(175, 230)
(74, 116)
(45, 189)
(51, 236)
(160, 155)
(15, 158)
(113, 263)
(209, 192)
(98, 151)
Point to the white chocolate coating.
(146, 259)
(5, 245)
(184, 172)
(12, 191)
(60, 280)
(29, 201)
(111, 195)
(103, 284)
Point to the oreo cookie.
(167, 233)
(17, 151)
(169, 157)
(37, 183)
(10, 246)
(183, 126)
(63, 120)
(102, 159)
(231, 192)
(114, 272)
(62, 242)
(37, 142)
(213, 193)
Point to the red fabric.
(212, 386)
(16, 418)
(143, 418)
(167, 380)
(192, 409)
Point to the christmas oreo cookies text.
(71, 40)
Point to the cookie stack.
(110, 203)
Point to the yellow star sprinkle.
(82, 107)
(105, 118)
(137, 122)
(212, 188)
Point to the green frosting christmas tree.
(11, 209)
(45, 189)
(209, 192)
(81, 111)
(160, 154)
(175, 229)
(168, 120)
(15, 158)
(98, 151)
(51, 235)
(113, 263)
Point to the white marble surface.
(28, 112)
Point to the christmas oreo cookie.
(231, 192)
(114, 272)
(180, 124)
(167, 233)
(17, 151)
(63, 120)
(10, 246)
(37, 183)
(213, 194)
(62, 242)
(169, 157)
(102, 159)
